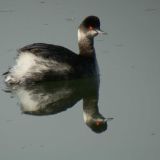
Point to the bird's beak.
(99, 31)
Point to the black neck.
(86, 47)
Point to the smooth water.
(129, 88)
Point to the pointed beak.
(99, 31)
(109, 119)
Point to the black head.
(97, 125)
(91, 22)
(90, 26)
(95, 121)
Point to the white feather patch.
(81, 35)
(28, 64)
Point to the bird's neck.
(86, 45)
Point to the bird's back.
(50, 51)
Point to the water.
(129, 84)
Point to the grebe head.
(89, 28)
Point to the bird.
(44, 62)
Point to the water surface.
(129, 88)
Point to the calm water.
(129, 89)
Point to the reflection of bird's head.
(96, 122)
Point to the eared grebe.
(39, 61)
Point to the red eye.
(97, 123)
(90, 27)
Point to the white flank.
(32, 101)
(24, 62)
(28, 64)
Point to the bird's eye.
(97, 123)
(90, 28)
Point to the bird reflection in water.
(54, 97)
